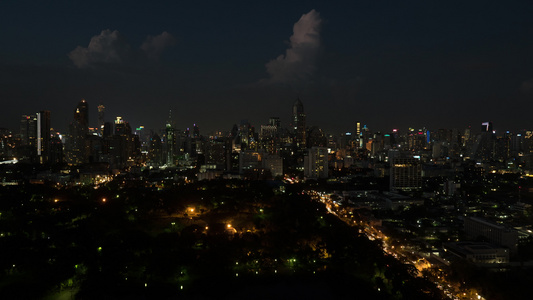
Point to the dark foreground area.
(216, 240)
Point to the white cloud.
(298, 63)
(108, 47)
(155, 45)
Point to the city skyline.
(397, 66)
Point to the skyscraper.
(43, 135)
(298, 116)
(170, 140)
(35, 135)
(28, 130)
(101, 111)
(484, 145)
(405, 174)
(81, 115)
(78, 130)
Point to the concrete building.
(405, 174)
(478, 253)
(273, 163)
(316, 163)
(494, 233)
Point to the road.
(404, 253)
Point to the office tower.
(7, 144)
(121, 127)
(246, 136)
(483, 149)
(101, 122)
(405, 174)
(155, 154)
(56, 150)
(35, 135)
(43, 135)
(120, 149)
(495, 233)
(28, 130)
(298, 118)
(316, 137)
(196, 131)
(316, 163)
(78, 130)
(81, 115)
(250, 161)
(107, 129)
(170, 143)
(274, 164)
(268, 132)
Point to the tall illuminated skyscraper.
(298, 119)
(170, 140)
(81, 115)
(101, 122)
(43, 135)
(35, 133)
(78, 130)
(28, 130)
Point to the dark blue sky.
(439, 64)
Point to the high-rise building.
(81, 114)
(121, 126)
(484, 145)
(155, 154)
(78, 131)
(196, 131)
(274, 164)
(43, 135)
(35, 135)
(7, 144)
(405, 174)
(56, 150)
(171, 142)
(28, 130)
(298, 119)
(316, 163)
(101, 121)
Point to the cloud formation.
(155, 45)
(298, 63)
(108, 47)
(111, 47)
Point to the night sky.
(388, 64)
